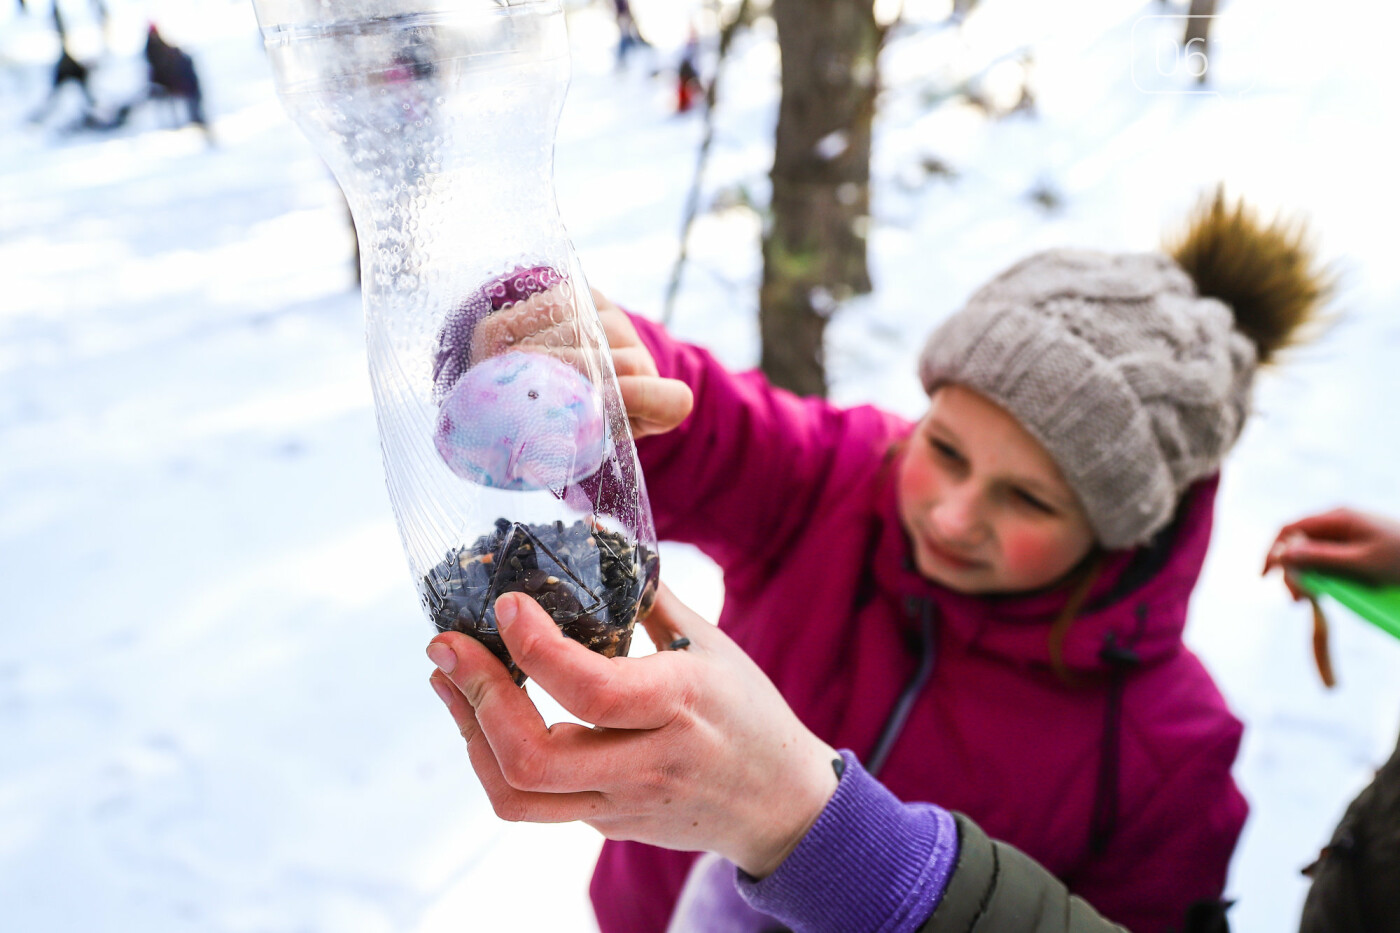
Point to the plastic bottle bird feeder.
(507, 454)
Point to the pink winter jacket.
(1119, 785)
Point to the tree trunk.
(814, 246)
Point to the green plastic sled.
(1379, 605)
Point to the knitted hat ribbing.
(1135, 385)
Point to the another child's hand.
(545, 323)
(654, 405)
(691, 749)
(1345, 541)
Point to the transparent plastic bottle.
(508, 458)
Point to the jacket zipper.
(899, 715)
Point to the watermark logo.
(1175, 54)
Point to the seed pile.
(593, 582)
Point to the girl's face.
(985, 506)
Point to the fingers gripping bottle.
(508, 458)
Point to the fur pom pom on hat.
(1122, 366)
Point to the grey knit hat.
(1136, 386)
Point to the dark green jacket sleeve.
(1356, 880)
(996, 888)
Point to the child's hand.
(654, 405)
(691, 749)
(1348, 542)
(545, 323)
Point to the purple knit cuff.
(869, 863)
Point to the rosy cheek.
(1035, 556)
(918, 482)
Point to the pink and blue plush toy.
(522, 420)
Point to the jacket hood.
(1137, 605)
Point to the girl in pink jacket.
(986, 606)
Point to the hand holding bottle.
(691, 749)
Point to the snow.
(213, 712)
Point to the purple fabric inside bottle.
(454, 349)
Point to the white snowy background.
(214, 713)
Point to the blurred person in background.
(65, 71)
(688, 85)
(1356, 879)
(173, 77)
(629, 36)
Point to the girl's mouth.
(949, 558)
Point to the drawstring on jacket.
(1121, 660)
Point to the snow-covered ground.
(213, 708)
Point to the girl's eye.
(1032, 502)
(946, 451)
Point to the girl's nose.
(957, 518)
